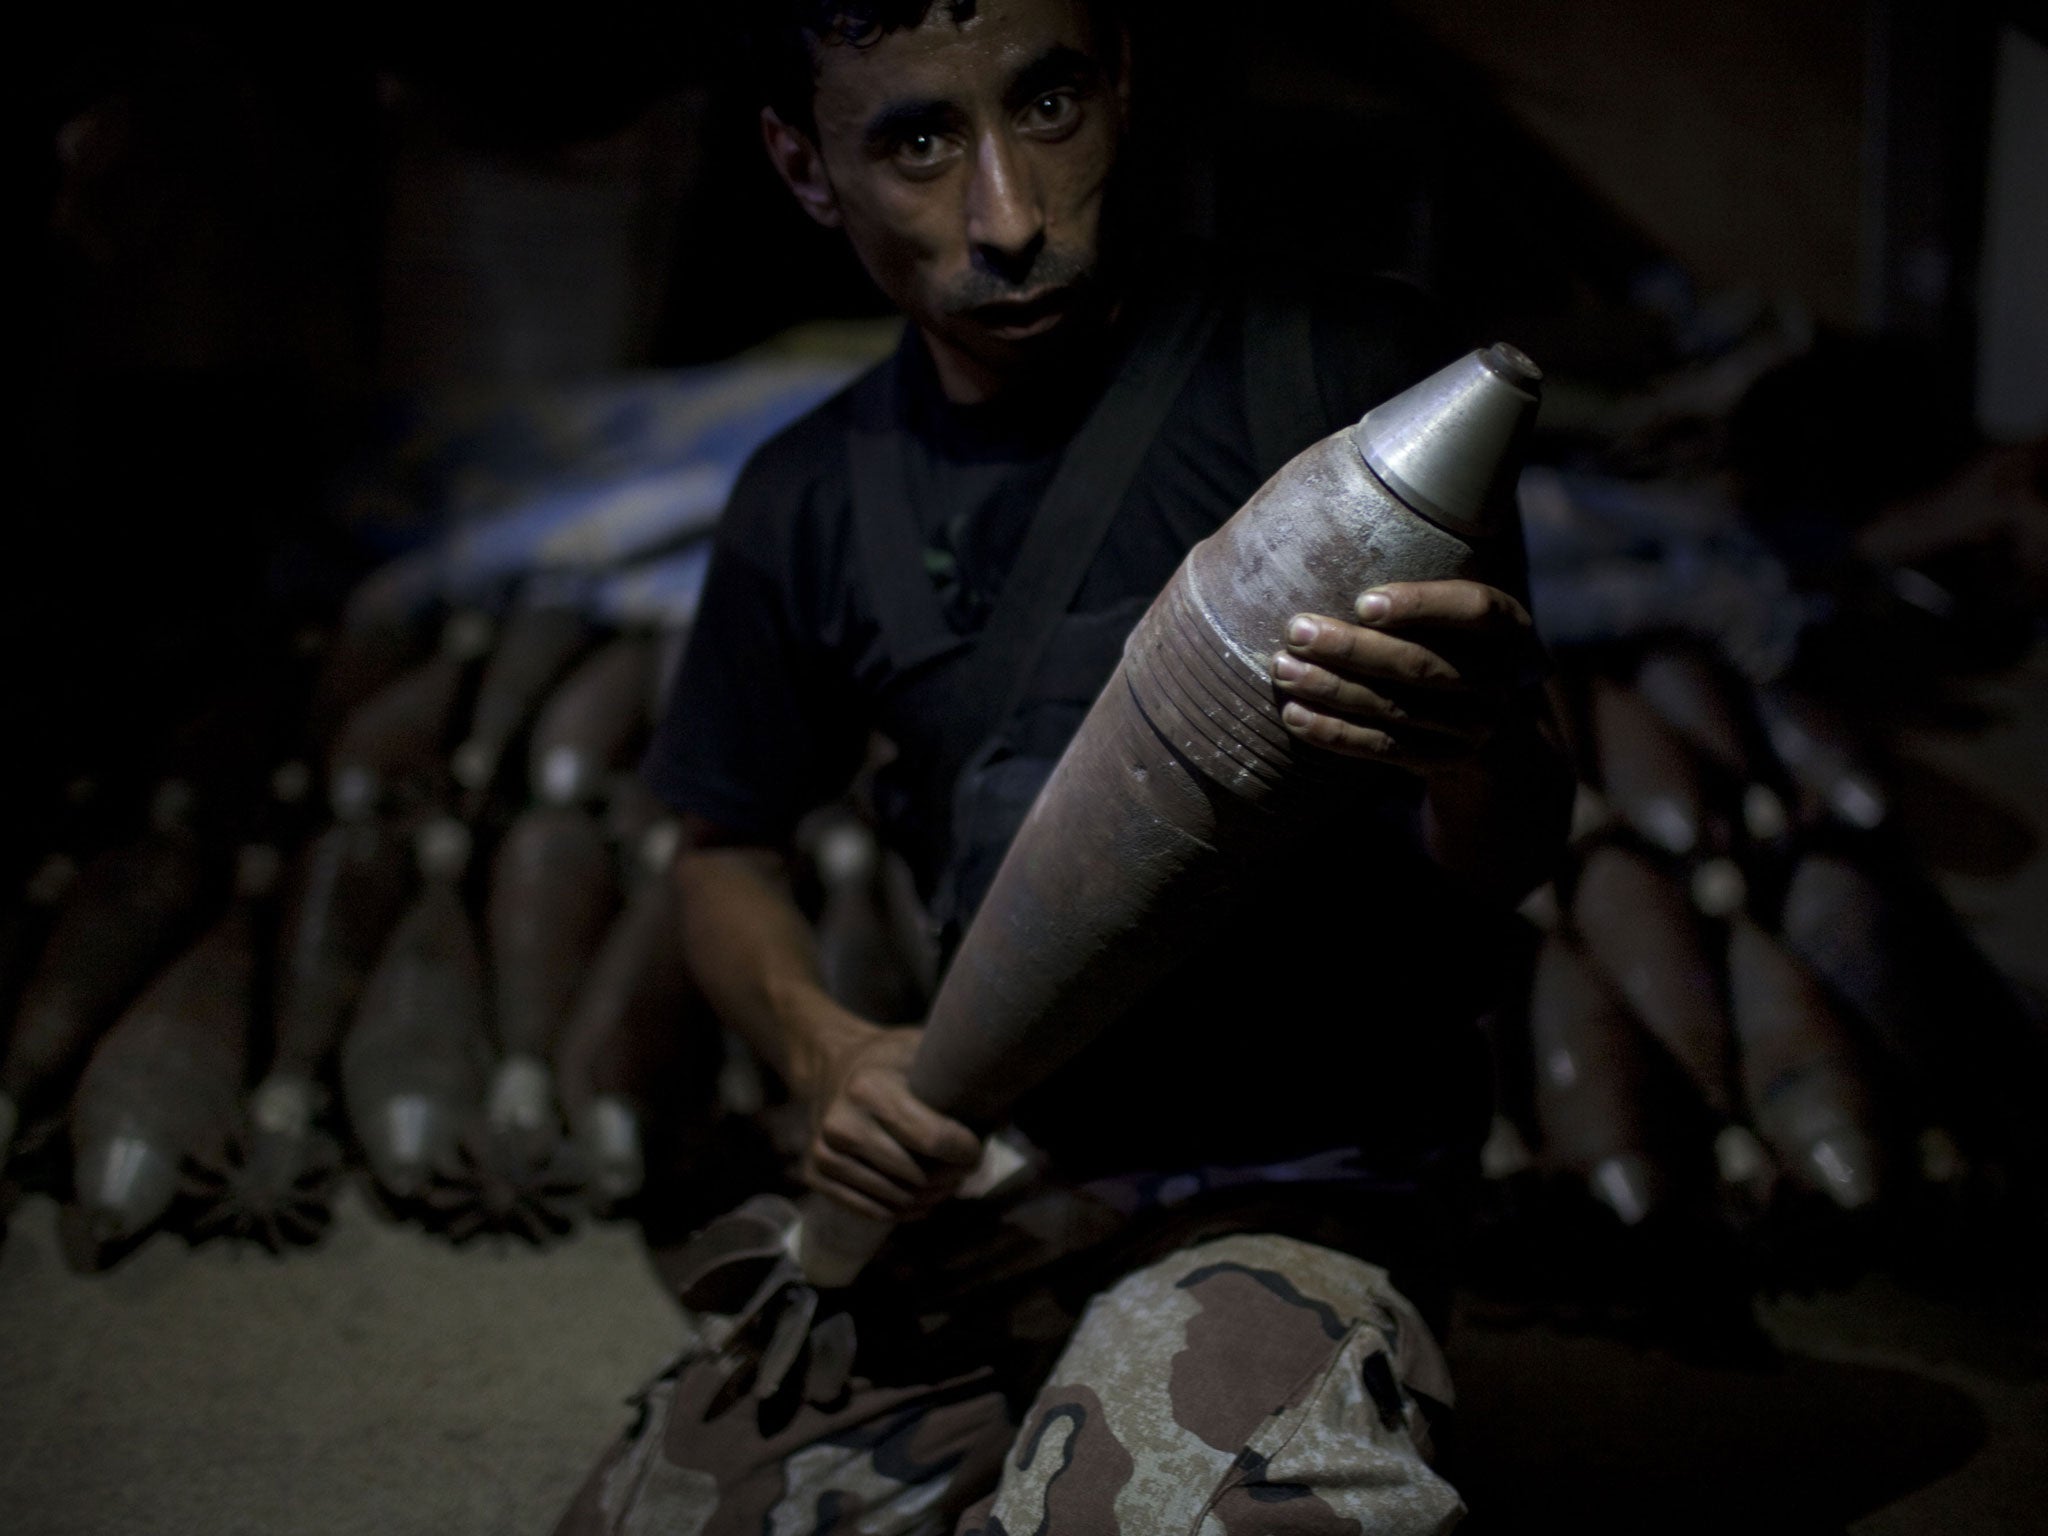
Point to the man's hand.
(1428, 675)
(876, 1148)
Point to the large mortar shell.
(1824, 756)
(128, 913)
(1183, 765)
(1647, 774)
(348, 889)
(162, 1088)
(1642, 932)
(414, 1061)
(1801, 1071)
(1840, 921)
(392, 751)
(590, 723)
(534, 648)
(1593, 1082)
(356, 661)
(638, 1044)
(1697, 698)
(553, 893)
(31, 916)
(1182, 768)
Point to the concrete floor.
(384, 1383)
(388, 1383)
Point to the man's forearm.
(756, 960)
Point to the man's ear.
(801, 167)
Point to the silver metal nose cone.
(1845, 1165)
(442, 848)
(1627, 1185)
(567, 775)
(1740, 1157)
(282, 1105)
(522, 1096)
(1450, 446)
(124, 1184)
(611, 1144)
(409, 1135)
(472, 764)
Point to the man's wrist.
(820, 1033)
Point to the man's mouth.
(1021, 318)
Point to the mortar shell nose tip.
(1512, 364)
(1626, 1185)
(125, 1183)
(1846, 1168)
(1450, 446)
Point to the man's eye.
(920, 151)
(1052, 111)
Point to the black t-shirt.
(1342, 1015)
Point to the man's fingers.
(845, 1194)
(828, 1165)
(1361, 652)
(855, 1134)
(1466, 717)
(1469, 605)
(915, 1123)
(1408, 749)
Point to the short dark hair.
(787, 34)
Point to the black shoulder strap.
(1066, 531)
(1282, 396)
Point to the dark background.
(242, 234)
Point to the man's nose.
(1005, 215)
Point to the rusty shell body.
(1593, 1081)
(1802, 1072)
(129, 912)
(590, 723)
(1182, 769)
(639, 1045)
(163, 1086)
(535, 646)
(414, 1061)
(357, 661)
(1646, 772)
(1841, 922)
(1694, 697)
(1825, 757)
(392, 751)
(554, 890)
(350, 887)
(1642, 932)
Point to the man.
(1229, 1176)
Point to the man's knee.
(1252, 1384)
(892, 1461)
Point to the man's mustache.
(1054, 267)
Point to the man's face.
(968, 163)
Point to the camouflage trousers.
(1249, 1385)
